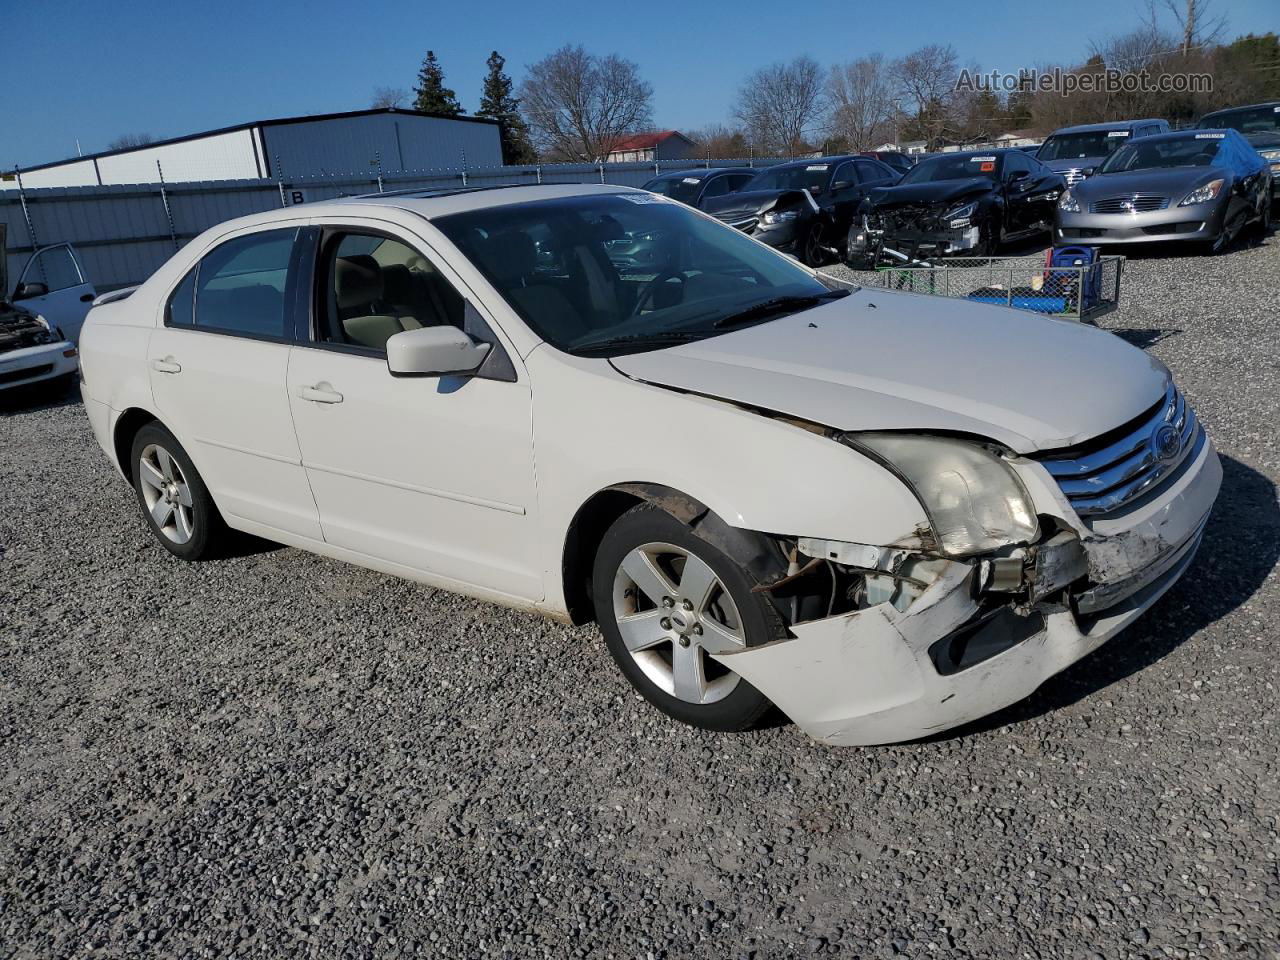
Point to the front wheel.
(812, 252)
(666, 600)
(173, 497)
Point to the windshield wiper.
(657, 338)
(777, 306)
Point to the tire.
(811, 252)
(174, 499)
(665, 654)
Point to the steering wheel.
(649, 289)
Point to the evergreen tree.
(497, 103)
(432, 96)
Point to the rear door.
(53, 285)
(218, 365)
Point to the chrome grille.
(1101, 478)
(1134, 203)
(1073, 176)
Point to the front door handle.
(167, 365)
(320, 393)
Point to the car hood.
(877, 360)
(1263, 141)
(744, 204)
(1072, 163)
(941, 191)
(1175, 182)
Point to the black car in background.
(804, 207)
(1075, 152)
(1260, 124)
(958, 203)
(694, 187)
(898, 162)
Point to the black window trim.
(290, 292)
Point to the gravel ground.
(277, 756)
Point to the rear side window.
(240, 286)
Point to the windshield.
(1078, 146)
(682, 188)
(607, 274)
(1253, 120)
(792, 177)
(958, 167)
(1151, 154)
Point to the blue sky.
(94, 70)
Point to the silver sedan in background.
(1197, 186)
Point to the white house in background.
(909, 147)
(360, 142)
(1018, 138)
(648, 147)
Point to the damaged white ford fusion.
(886, 515)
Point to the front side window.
(240, 285)
(717, 187)
(55, 268)
(609, 274)
(373, 287)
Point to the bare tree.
(384, 97)
(780, 103)
(1197, 22)
(579, 104)
(127, 141)
(862, 101)
(928, 76)
(719, 140)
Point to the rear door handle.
(320, 393)
(167, 365)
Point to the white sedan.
(884, 514)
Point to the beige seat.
(366, 320)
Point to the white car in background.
(41, 319)
(885, 514)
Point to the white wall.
(224, 156)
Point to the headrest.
(510, 256)
(357, 280)
(397, 284)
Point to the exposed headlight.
(773, 216)
(974, 500)
(1067, 203)
(1203, 194)
(1270, 154)
(961, 213)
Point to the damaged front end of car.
(918, 232)
(998, 593)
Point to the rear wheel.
(666, 600)
(173, 497)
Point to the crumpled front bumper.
(873, 676)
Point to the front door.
(432, 473)
(53, 285)
(218, 367)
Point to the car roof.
(1189, 134)
(835, 158)
(1099, 127)
(1247, 106)
(703, 172)
(993, 152)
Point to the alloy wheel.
(166, 493)
(672, 611)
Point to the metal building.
(388, 141)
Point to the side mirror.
(1088, 171)
(26, 291)
(434, 352)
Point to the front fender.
(756, 471)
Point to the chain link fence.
(1045, 283)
